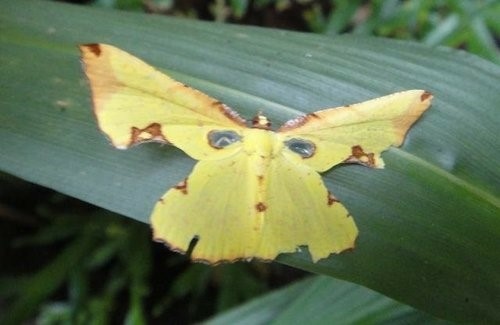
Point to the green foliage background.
(63, 260)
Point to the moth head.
(261, 122)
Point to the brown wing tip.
(93, 48)
(426, 95)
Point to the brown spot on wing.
(260, 179)
(260, 207)
(361, 157)
(182, 186)
(151, 132)
(331, 199)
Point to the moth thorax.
(261, 122)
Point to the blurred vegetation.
(64, 261)
(472, 25)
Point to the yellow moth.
(254, 193)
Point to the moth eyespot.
(303, 148)
(222, 138)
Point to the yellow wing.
(355, 133)
(301, 211)
(255, 203)
(133, 103)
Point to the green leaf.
(429, 222)
(323, 300)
